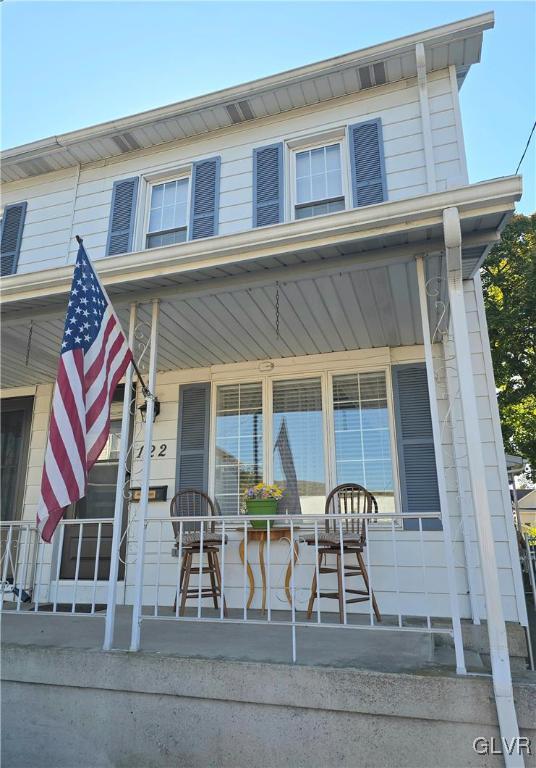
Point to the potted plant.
(262, 499)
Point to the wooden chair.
(345, 499)
(193, 503)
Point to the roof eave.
(474, 25)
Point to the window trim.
(326, 375)
(315, 142)
(151, 180)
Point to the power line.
(525, 150)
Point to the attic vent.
(373, 74)
(240, 111)
(126, 142)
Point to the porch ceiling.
(356, 307)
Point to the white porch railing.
(32, 570)
(407, 572)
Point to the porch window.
(239, 443)
(168, 214)
(319, 181)
(298, 436)
(363, 435)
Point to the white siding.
(51, 223)
(47, 228)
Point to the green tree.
(509, 283)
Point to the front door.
(99, 503)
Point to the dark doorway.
(16, 419)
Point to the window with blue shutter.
(204, 208)
(415, 443)
(367, 163)
(193, 437)
(11, 237)
(122, 216)
(268, 185)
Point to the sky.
(68, 65)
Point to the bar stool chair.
(193, 503)
(344, 499)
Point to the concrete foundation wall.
(64, 707)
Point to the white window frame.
(326, 375)
(323, 140)
(150, 181)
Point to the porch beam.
(390, 217)
(500, 661)
(145, 481)
(422, 81)
(353, 262)
(440, 470)
(119, 495)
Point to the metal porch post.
(440, 468)
(146, 477)
(119, 498)
(500, 661)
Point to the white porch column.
(119, 495)
(462, 476)
(440, 470)
(500, 662)
(145, 480)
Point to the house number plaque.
(156, 451)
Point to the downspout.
(500, 661)
(426, 123)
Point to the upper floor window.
(168, 213)
(319, 181)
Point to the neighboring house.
(526, 506)
(299, 232)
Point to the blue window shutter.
(415, 443)
(11, 237)
(268, 185)
(205, 204)
(122, 216)
(367, 163)
(193, 437)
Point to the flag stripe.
(94, 357)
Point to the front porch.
(308, 330)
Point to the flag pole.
(119, 497)
(144, 491)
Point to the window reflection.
(362, 435)
(299, 445)
(239, 443)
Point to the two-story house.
(297, 259)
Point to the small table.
(277, 533)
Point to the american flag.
(94, 357)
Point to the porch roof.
(346, 280)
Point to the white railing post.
(146, 477)
(498, 644)
(119, 497)
(440, 469)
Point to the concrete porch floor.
(384, 650)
